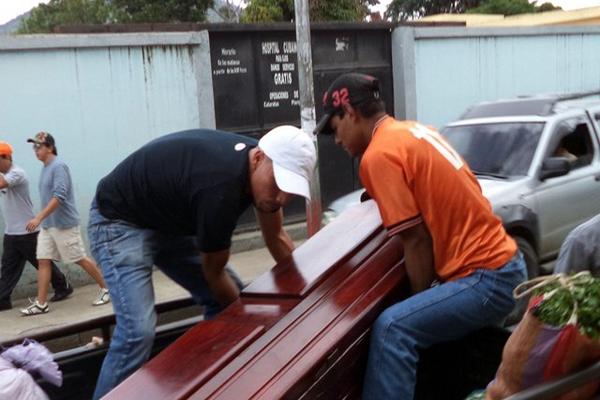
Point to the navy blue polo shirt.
(192, 182)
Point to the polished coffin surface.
(296, 331)
(310, 263)
(287, 362)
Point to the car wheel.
(533, 270)
(530, 256)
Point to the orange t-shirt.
(415, 176)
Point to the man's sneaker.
(35, 308)
(102, 298)
(62, 294)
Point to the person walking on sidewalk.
(60, 236)
(428, 196)
(174, 203)
(18, 245)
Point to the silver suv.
(537, 160)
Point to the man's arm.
(276, 238)
(60, 188)
(34, 223)
(11, 178)
(219, 281)
(418, 257)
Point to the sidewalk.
(78, 307)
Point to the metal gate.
(255, 84)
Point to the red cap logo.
(340, 97)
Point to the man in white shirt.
(18, 244)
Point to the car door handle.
(597, 178)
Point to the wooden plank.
(284, 311)
(190, 361)
(285, 362)
(314, 297)
(333, 356)
(258, 311)
(312, 262)
(349, 368)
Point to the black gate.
(255, 84)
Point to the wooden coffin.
(298, 331)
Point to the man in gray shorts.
(18, 245)
(60, 236)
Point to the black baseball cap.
(353, 89)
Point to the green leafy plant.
(264, 11)
(46, 17)
(556, 309)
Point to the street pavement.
(78, 307)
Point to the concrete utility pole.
(307, 107)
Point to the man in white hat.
(174, 203)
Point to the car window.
(573, 142)
(504, 149)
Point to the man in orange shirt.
(428, 195)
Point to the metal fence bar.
(104, 323)
(551, 390)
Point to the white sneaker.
(35, 308)
(102, 298)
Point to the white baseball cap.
(294, 157)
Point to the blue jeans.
(439, 314)
(127, 254)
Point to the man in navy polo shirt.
(174, 203)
